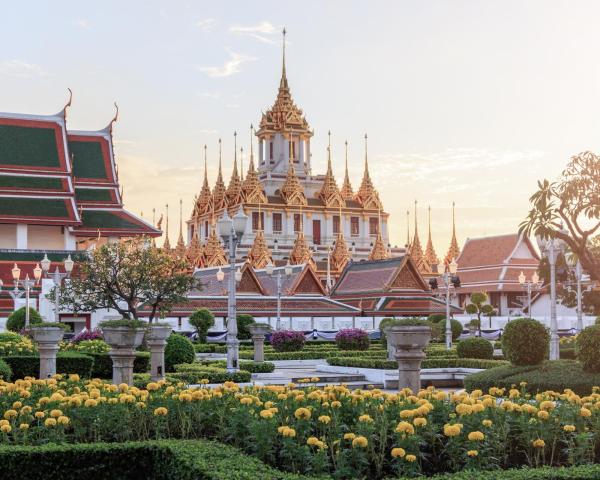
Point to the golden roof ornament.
(284, 114)
(454, 249)
(346, 191)
(204, 200)
(214, 253)
(430, 255)
(291, 190)
(219, 192)
(195, 251)
(234, 190)
(407, 232)
(340, 255)
(416, 251)
(378, 252)
(180, 249)
(367, 195)
(252, 189)
(301, 252)
(167, 244)
(330, 193)
(259, 255)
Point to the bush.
(580, 472)
(5, 371)
(86, 334)
(212, 348)
(212, 374)
(550, 375)
(438, 362)
(352, 339)
(436, 317)
(66, 362)
(243, 321)
(166, 459)
(10, 337)
(287, 341)
(525, 342)
(202, 319)
(475, 347)
(179, 349)
(252, 367)
(87, 346)
(21, 346)
(588, 348)
(16, 320)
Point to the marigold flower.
(349, 436)
(39, 415)
(584, 412)
(464, 409)
(365, 419)
(407, 413)
(62, 420)
(313, 441)
(302, 413)
(569, 428)
(90, 402)
(74, 377)
(420, 422)
(160, 412)
(336, 404)
(152, 386)
(543, 415)
(410, 458)
(476, 436)
(452, 430)
(266, 413)
(10, 414)
(50, 422)
(405, 427)
(398, 452)
(5, 428)
(539, 443)
(324, 419)
(24, 426)
(472, 453)
(360, 442)
(56, 413)
(289, 432)
(486, 423)
(16, 405)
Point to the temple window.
(277, 223)
(373, 226)
(256, 225)
(336, 224)
(297, 222)
(270, 150)
(354, 226)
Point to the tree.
(479, 306)
(569, 209)
(128, 276)
(202, 319)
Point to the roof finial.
(366, 157)
(283, 82)
(205, 164)
(346, 155)
(416, 229)
(242, 164)
(68, 104)
(407, 229)
(329, 138)
(454, 249)
(180, 217)
(251, 142)
(234, 151)
(219, 155)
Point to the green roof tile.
(28, 146)
(88, 161)
(31, 183)
(93, 195)
(107, 219)
(34, 207)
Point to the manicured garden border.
(438, 362)
(580, 472)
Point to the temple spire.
(407, 231)
(291, 190)
(180, 249)
(234, 190)
(454, 249)
(430, 255)
(204, 201)
(252, 189)
(416, 251)
(220, 191)
(367, 195)
(330, 193)
(283, 83)
(346, 191)
(167, 244)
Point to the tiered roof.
(234, 190)
(346, 190)
(454, 249)
(214, 253)
(430, 256)
(330, 194)
(259, 255)
(301, 252)
(219, 196)
(292, 191)
(253, 191)
(378, 252)
(340, 255)
(204, 200)
(367, 195)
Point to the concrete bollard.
(156, 338)
(409, 342)
(47, 339)
(258, 331)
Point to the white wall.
(8, 235)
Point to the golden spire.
(416, 251)
(195, 251)
(367, 195)
(283, 83)
(454, 249)
(346, 192)
(430, 255)
(214, 253)
(234, 190)
(252, 189)
(180, 249)
(242, 164)
(167, 245)
(292, 191)
(301, 252)
(378, 252)
(408, 231)
(340, 255)
(329, 191)
(219, 192)
(204, 200)
(259, 255)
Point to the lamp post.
(27, 284)
(57, 278)
(278, 275)
(533, 283)
(551, 247)
(448, 280)
(231, 230)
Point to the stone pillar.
(123, 341)
(258, 331)
(410, 342)
(47, 339)
(156, 338)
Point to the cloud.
(230, 67)
(81, 23)
(206, 24)
(262, 31)
(21, 69)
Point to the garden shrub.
(66, 362)
(287, 341)
(10, 337)
(243, 321)
(212, 374)
(475, 347)
(86, 334)
(436, 317)
(16, 320)
(86, 346)
(525, 341)
(179, 349)
(5, 371)
(438, 362)
(579, 472)
(202, 319)
(352, 339)
(252, 367)
(21, 346)
(211, 348)
(588, 348)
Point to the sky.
(464, 101)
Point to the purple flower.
(86, 334)
(287, 341)
(352, 339)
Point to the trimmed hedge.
(525, 342)
(475, 347)
(179, 349)
(550, 375)
(66, 362)
(5, 371)
(212, 374)
(580, 472)
(252, 367)
(588, 347)
(157, 460)
(102, 367)
(439, 362)
(16, 320)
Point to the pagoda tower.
(292, 191)
(252, 189)
(453, 249)
(219, 191)
(301, 252)
(214, 253)
(416, 251)
(195, 252)
(167, 244)
(346, 191)
(259, 255)
(430, 256)
(204, 200)
(378, 252)
(330, 193)
(180, 249)
(234, 190)
(367, 196)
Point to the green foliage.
(66, 362)
(410, 322)
(525, 342)
(243, 321)
(211, 348)
(435, 362)
(436, 317)
(159, 460)
(475, 347)
(550, 375)
(179, 349)
(212, 374)
(64, 326)
(579, 472)
(202, 319)
(5, 371)
(10, 337)
(588, 348)
(16, 320)
(124, 322)
(478, 306)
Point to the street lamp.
(550, 247)
(270, 269)
(449, 279)
(231, 230)
(57, 278)
(533, 283)
(27, 284)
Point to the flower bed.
(352, 434)
(580, 472)
(252, 367)
(195, 373)
(555, 375)
(436, 362)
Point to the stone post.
(123, 342)
(410, 342)
(258, 331)
(156, 338)
(47, 339)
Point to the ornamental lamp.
(220, 275)
(270, 268)
(69, 263)
(453, 267)
(225, 224)
(45, 263)
(37, 272)
(522, 278)
(535, 278)
(16, 273)
(288, 268)
(441, 268)
(240, 220)
(238, 275)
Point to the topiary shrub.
(243, 321)
(475, 347)
(287, 341)
(436, 317)
(16, 320)
(5, 371)
(352, 339)
(588, 348)
(525, 342)
(179, 349)
(440, 326)
(202, 319)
